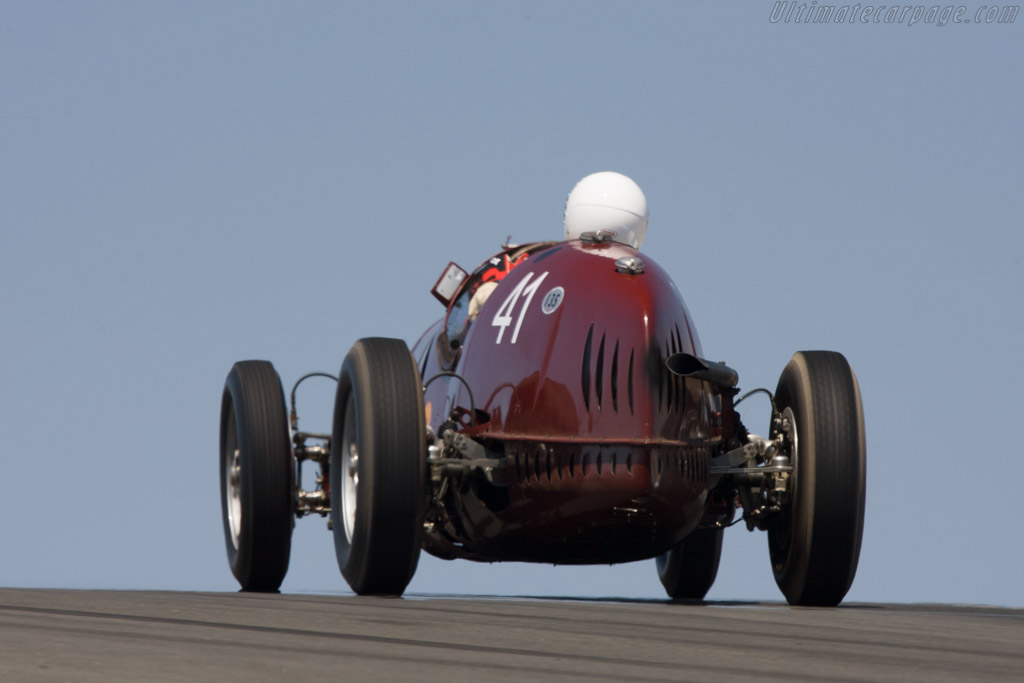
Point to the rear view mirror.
(446, 286)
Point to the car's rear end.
(605, 452)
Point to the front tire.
(378, 467)
(257, 475)
(688, 571)
(815, 544)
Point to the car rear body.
(603, 454)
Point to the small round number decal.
(552, 300)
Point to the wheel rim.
(349, 471)
(781, 538)
(232, 483)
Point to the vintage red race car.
(560, 412)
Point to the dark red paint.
(606, 453)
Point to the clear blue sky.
(183, 185)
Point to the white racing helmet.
(607, 201)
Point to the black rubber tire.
(688, 570)
(815, 545)
(379, 409)
(254, 421)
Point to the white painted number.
(503, 318)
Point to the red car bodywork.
(603, 453)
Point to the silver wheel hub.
(789, 426)
(234, 496)
(349, 473)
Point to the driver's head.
(607, 201)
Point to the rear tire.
(689, 570)
(257, 475)
(378, 467)
(815, 544)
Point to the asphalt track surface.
(84, 636)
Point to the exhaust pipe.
(719, 374)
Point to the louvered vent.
(585, 372)
(671, 387)
(603, 368)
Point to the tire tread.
(253, 390)
(823, 553)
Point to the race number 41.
(525, 290)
